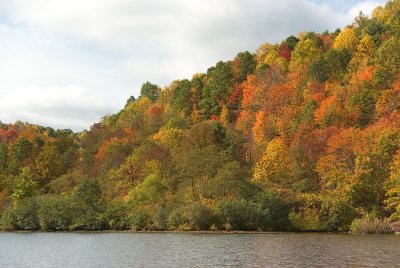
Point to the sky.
(66, 64)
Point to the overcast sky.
(65, 64)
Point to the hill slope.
(304, 134)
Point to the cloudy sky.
(65, 64)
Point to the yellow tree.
(306, 51)
(363, 53)
(346, 39)
(274, 167)
(49, 163)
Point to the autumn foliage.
(308, 129)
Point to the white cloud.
(366, 7)
(112, 47)
(60, 107)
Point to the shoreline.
(188, 232)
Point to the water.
(197, 250)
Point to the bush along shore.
(302, 135)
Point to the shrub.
(370, 225)
(272, 212)
(87, 218)
(239, 214)
(149, 191)
(7, 220)
(56, 212)
(338, 215)
(308, 219)
(201, 217)
(160, 218)
(26, 217)
(140, 220)
(116, 216)
(175, 219)
(88, 192)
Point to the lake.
(198, 250)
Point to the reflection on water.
(197, 250)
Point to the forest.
(303, 135)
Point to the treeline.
(301, 135)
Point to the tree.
(68, 147)
(259, 132)
(150, 191)
(392, 187)
(388, 101)
(306, 51)
(337, 63)
(371, 26)
(88, 193)
(150, 91)
(3, 156)
(182, 96)
(364, 100)
(217, 89)
(20, 150)
(328, 113)
(49, 164)
(240, 214)
(111, 154)
(387, 62)
(26, 187)
(346, 39)
(201, 165)
(336, 166)
(274, 167)
(272, 212)
(291, 42)
(319, 70)
(56, 213)
(243, 65)
(129, 101)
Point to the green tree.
(182, 97)
(3, 156)
(272, 212)
(217, 89)
(365, 102)
(150, 91)
(387, 62)
(26, 187)
(319, 70)
(88, 192)
(21, 150)
(337, 62)
(49, 163)
(240, 214)
(68, 147)
(243, 65)
(291, 42)
(306, 52)
(150, 191)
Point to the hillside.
(301, 135)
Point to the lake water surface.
(197, 250)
